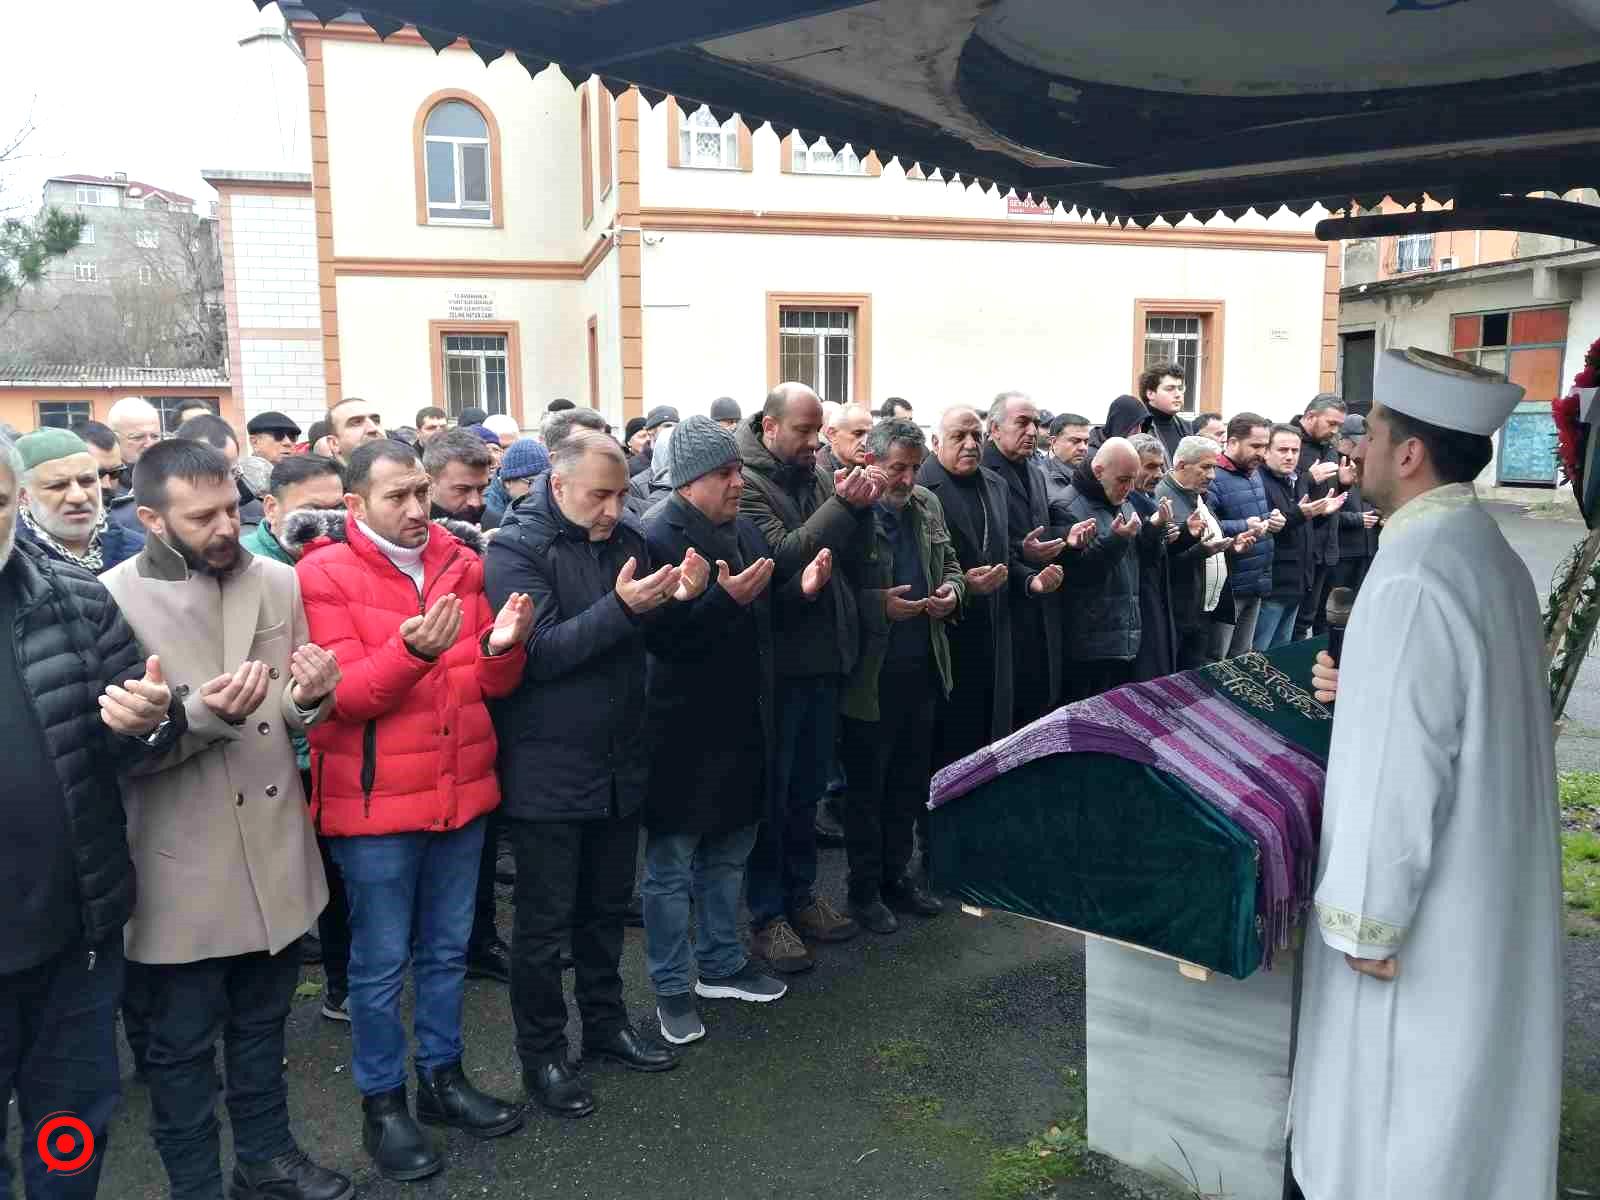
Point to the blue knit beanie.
(523, 459)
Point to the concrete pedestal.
(1202, 1065)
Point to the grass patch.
(901, 1055)
(1580, 1139)
(1580, 851)
(1019, 1172)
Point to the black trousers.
(1194, 648)
(1091, 678)
(58, 1053)
(1349, 572)
(888, 763)
(333, 926)
(1311, 619)
(577, 877)
(485, 932)
(245, 1000)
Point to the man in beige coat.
(229, 876)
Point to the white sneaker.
(746, 983)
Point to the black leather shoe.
(395, 1142)
(492, 960)
(444, 1097)
(290, 1176)
(874, 917)
(634, 1051)
(907, 897)
(558, 1087)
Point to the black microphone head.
(1340, 601)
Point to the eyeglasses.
(111, 474)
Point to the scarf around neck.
(92, 559)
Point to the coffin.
(1132, 839)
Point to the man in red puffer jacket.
(402, 776)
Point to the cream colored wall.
(766, 188)
(373, 92)
(385, 352)
(959, 321)
(598, 297)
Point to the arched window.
(459, 153)
(702, 142)
(819, 158)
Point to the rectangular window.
(819, 158)
(145, 276)
(1173, 338)
(86, 234)
(62, 414)
(85, 272)
(92, 195)
(1527, 345)
(475, 372)
(146, 239)
(704, 143)
(458, 179)
(817, 347)
(170, 406)
(1414, 252)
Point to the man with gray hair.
(845, 438)
(910, 586)
(574, 769)
(82, 703)
(804, 512)
(1200, 570)
(61, 506)
(137, 424)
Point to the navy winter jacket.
(1234, 498)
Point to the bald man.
(1100, 604)
(846, 438)
(137, 424)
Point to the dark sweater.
(37, 876)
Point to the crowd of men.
(325, 676)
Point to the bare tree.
(28, 244)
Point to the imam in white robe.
(1441, 848)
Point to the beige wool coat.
(225, 855)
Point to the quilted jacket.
(1233, 499)
(410, 746)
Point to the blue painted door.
(1527, 452)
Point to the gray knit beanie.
(698, 447)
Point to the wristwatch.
(155, 736)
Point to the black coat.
(1324, 536)
(1158, 633)
(1293, 555)
(1186, 564)
(71, 641)
(1035, 620)
(708, 705)
(980, 641)
(1356, 541)
(1101, 590)
(796, 511)
(570, 748)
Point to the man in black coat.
(709, 731)
(1324, 476)
(573, 768)
(978, 709)
(1162, 539)
(1358, 520)
(1033, 574)
(64, 862)
(1293, 556)
(1163, 387)
(1101, 595)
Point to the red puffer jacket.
(410, 746)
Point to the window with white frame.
(93, 195)
(475, 372)
(704, 143)
(819, 158)
(145, 276)
(146, 239)
(1178, 339)
(86, 234)
(85, 272)
(456, 154)
(1414, 252)
(817, 347)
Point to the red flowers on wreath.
(1567, 410)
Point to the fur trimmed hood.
(305, 526)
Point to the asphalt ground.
(918, 1065)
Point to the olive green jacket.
(859, 700)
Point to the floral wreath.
(1570, 427)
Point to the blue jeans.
(783, 865)
(1274, 625)
(711, 868)
(411, 900)
(58, 1050)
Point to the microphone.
(1340, 601)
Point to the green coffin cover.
(1118, 848)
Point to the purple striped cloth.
(1182, 727)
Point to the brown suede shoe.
(820, 921)
(781, 947)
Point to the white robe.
(1440, 847)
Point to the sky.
(119, 86)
